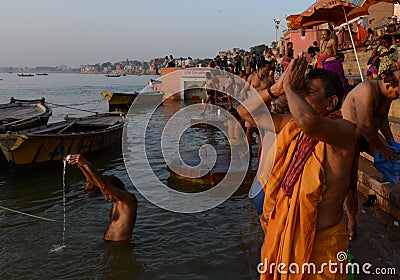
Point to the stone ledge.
(388, 195)
(394, 122)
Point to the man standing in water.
(211, 89)
(259, 81)
(124, 204)
(312, 168)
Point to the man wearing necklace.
(328, 48)
(330, 59)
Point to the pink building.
(302, 40)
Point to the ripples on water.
(220, 243)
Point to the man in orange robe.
(312, 167)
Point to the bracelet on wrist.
(273, 96)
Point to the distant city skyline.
(75, 33)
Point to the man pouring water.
(124, 204)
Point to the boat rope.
(69, 107)
(26, 214)
(98, 104)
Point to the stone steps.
(370, 179)
(388, 195)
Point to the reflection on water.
(217, 244)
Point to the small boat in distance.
(41, 74)
(23, 114)
(25, 75)
(113, 75)
(54, 141)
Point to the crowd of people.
(321, 124)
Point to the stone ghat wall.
(350, 63)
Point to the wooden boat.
(123, 101)
(23, 114)
(41, 74)
(25, 75)
(113, 75)
(55, 141)
(119, 100)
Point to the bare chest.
(260, 84)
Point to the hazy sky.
(77, 32)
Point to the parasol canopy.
(331, 11)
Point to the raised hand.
(295, 74)
(77, 159)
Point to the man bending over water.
(367, 106)
(124, 204)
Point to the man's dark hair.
(115, 182)
(263, 63)
(390, 78)
(332, 83)
(387, 38)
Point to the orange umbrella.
(330, 11)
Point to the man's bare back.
(379, 106)
(122, 220)
(367, 106)
(124, 204)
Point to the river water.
(220, 243)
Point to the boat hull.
(119, 100)
(23, 114)
(123, 101)
(26, 149)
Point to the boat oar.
(26, 214)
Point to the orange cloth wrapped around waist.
(291, 221)
(330, 245)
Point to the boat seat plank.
(55, 128)
(100, 122)
(66, 128)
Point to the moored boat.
(119, 100)
(55, 141)
(152, 98)
(25, 75)
(113, 75)
(23, 114)
(123, 101)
